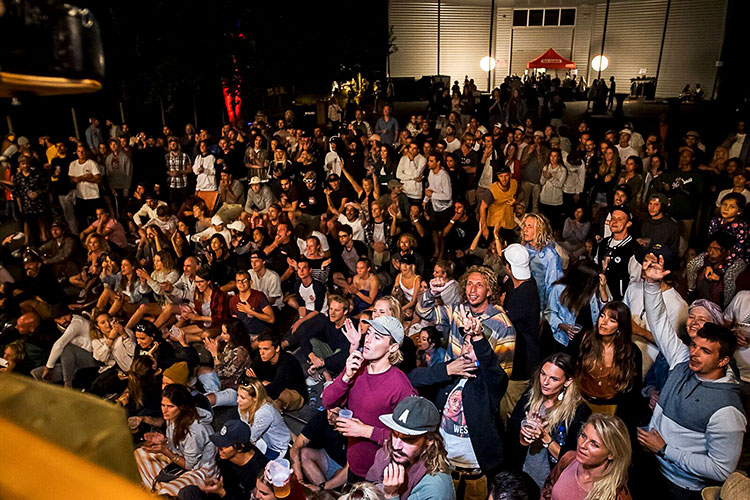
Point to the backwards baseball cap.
(387, 325)
(626, 131)
(258, 254)
(518, 259)
(662, 199)
(413, 416)
(538, 133)
(233, 432)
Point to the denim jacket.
(557, 314)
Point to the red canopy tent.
(551, 60)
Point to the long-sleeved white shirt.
(204, 169)
(408, 171)
(77, 333)
(146, 213)
(442, 191)
(552, 192)
(120, 352)
(576, 177)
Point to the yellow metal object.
(12, 84)
(74, 424)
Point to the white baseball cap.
(237, 225)
(518, 258)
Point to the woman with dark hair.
(547, 419)
(221, 262)
(574, 304)
(154, 242)
(230, 351)
(142, 397)
(113, 346)
(632, 177)
(611, 365)
(259, 239)
(185, 455)
(605, 177)
(551, 196)
(150, 343)
(385, 168)
(210, 311)
(430, 349)
(575, 231)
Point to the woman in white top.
(267, 428)
(552, 180)
(114, 346)
(407, 285)
(71, 352)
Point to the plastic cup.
(280, 474)
(346, 413)
(577, 329)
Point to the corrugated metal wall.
(695, 28)
(532, 42)
(503, 31)
(415, 27)
(634, 31)
(582, 38)
(464, 41)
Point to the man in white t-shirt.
(737, 315)
(86, 175)
(624, 149)
(266, 280)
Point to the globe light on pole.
(600, 63)
(487, 63)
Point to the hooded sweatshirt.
(197, 449)
(701, 421)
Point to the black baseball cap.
(258, 254)
(413, 416)
(233, 432)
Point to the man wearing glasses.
(350, 251)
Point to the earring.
(561, 395)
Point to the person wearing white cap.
(369, 386)
(260, 197)
(524, 309)
(624, 149)
(217, 226)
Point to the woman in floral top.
(231, 358)
(30, 190)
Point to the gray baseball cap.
(387, 325)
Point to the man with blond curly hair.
(480, 296)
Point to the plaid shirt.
(177, 163)
(496, 326)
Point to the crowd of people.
(506, 308)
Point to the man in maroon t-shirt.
(250, 306)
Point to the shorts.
(441, 219)
(332, 466)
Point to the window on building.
(536, 16)
(551, 17)
(567, 17)
(544, 17)
(520, 17)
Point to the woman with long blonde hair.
(598, 468)
(547, 419)
(258, 411)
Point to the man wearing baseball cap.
(240, 463)
(369, 386)
(413, 461)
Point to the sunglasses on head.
(354, 491)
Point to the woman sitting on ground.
(88, 278)
(150, 343)
(185, 455)
(164, 272)
(265, 421)
(210, 311)
(598, 468)
(120, 290)
(221, 262)
(406, 288)
(230, 351)
(114, 347)
(547, 419)
(154, 242)
(142, 397)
